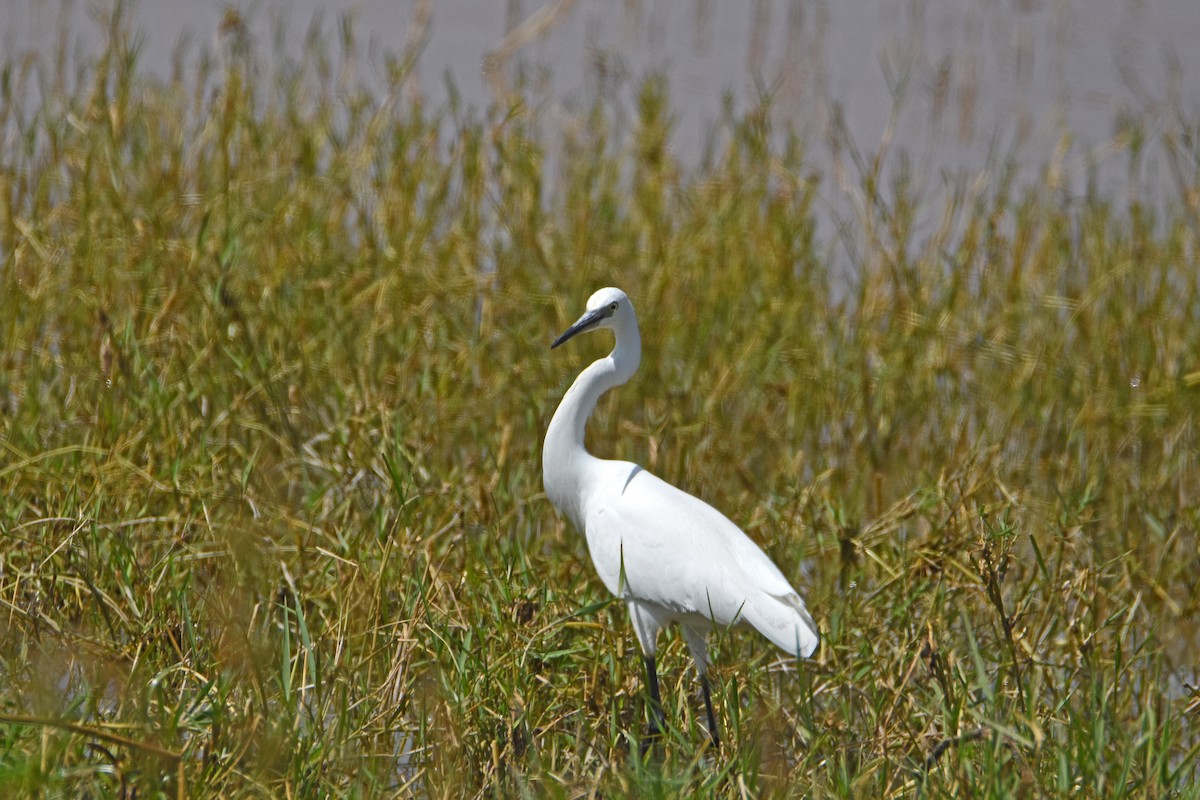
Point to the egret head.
(607, 308)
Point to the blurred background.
(946, 89)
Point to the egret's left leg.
(646, 624)
(657, 721)
(699, 649)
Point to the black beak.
(586, 322)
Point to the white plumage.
(669, 555)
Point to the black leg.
(656, 712)
(712, 718)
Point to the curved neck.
(565, 459)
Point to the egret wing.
(656, 543)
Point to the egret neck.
(565, 458)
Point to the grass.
(274, 375)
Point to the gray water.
(1044, 84)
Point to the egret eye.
(613, 307)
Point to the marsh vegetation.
(274, 376)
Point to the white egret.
(670, 556)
